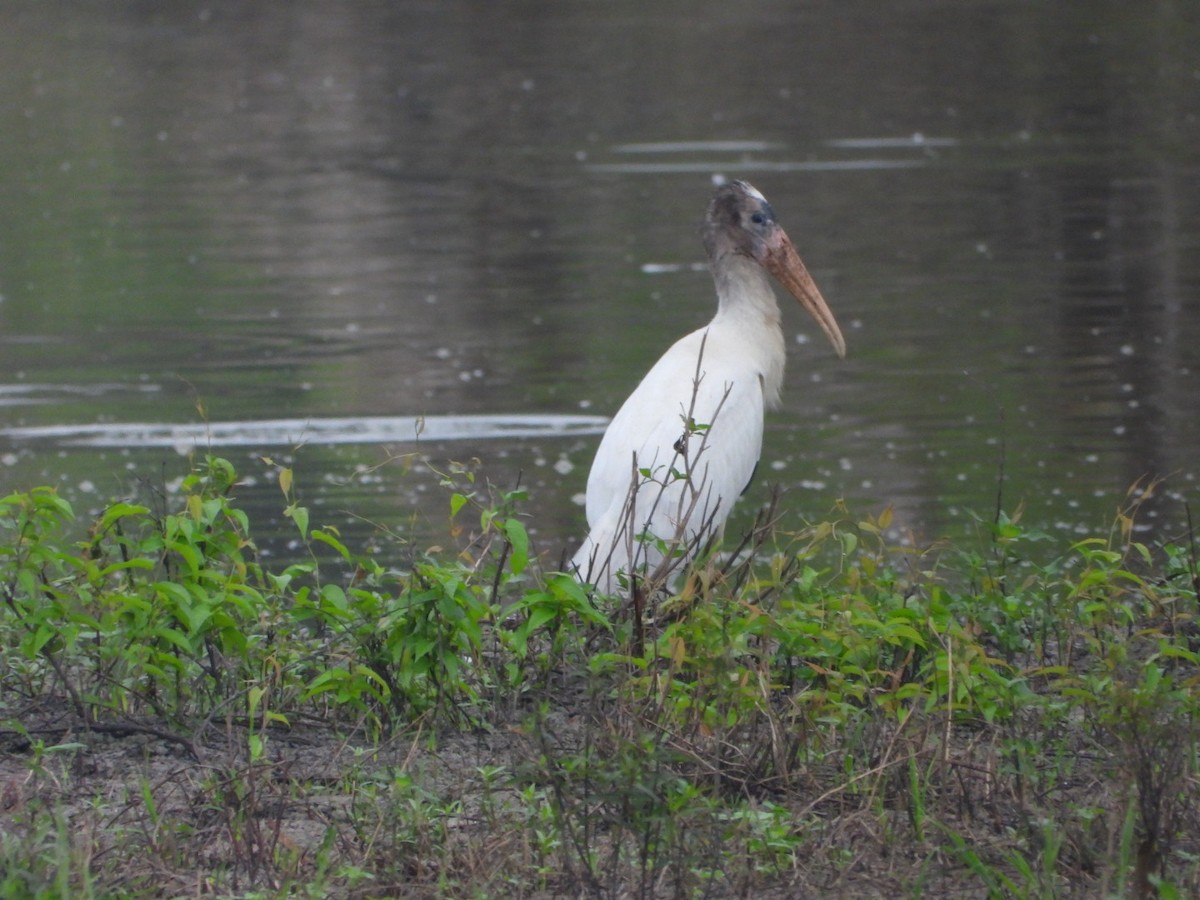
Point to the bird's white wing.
(695, 432)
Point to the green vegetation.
(823, 715)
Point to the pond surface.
(279, 221)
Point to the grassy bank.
(825, 716)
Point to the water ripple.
(371, 430)
(761, 165)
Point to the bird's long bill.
(784, 263)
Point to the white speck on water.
(1119, 430)
(579, 499)
(352, 328)
(431, 299)
(585, 404)
(812, 485)
(9, 459)
(1092, 458)
(564, 466)
(778, 465)
(1127, 349)
(442, 352)
(845, 464)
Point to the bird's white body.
(684, 445)
(707, 379)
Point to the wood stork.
(685, 445)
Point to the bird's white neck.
(746, 303)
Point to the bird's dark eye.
(758, 219)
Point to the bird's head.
(740, 221)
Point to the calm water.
(246, 213)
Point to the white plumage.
(685, 444)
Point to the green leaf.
(333, 598)
(118, 511)
(137, 563)
(519, 539)
(299, 515)
(174, 637)
(326, 536)
(539, 617)
(421, 647)
(44, 634)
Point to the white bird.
(685, 444)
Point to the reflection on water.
(255, 213)
(300, 432)
(751, 165)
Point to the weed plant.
(816, 713)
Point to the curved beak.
(783, 262)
